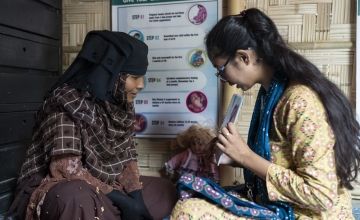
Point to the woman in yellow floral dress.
(307, 154)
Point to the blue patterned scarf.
(259, 142)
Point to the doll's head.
(197, 138)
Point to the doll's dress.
(197, 164)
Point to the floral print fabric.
(303, 170)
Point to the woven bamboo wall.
(321, 30)
(80, 17)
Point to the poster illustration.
(180, 86)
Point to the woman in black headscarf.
(82, 163)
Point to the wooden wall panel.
(55, 4)
(5, 202)
(11, 158)
(24, 88)
(16, 126)
(30, 62)
(24, 53)
(45, 23)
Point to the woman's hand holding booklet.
(232, 114)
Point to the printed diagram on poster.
(180, 86)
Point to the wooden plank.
(22, 53)
(29, 36)
(15, 126)
(5, 202)
(54, 3)
(32, 16)
(22, 88)
(20, 107)
(11, 156)
(8, 185)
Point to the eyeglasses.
(221, 70)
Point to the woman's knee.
(69, 190)
(158, 192)
(67, 197)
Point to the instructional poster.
(180, 86)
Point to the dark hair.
(253, 29)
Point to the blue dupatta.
(258, 140)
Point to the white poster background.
(179, 70)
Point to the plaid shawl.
(74, 122)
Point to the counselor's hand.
(232, 144)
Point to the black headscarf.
(103, 56)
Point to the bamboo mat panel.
(80, 17)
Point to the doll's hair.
(195, 131)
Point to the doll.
(197, 156)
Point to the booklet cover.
(231, 115)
